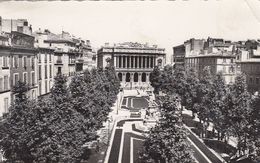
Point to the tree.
(15, 128)
(254, 128)
(155, 78)
(190, 96)
(219, 111)
(239, 112)
(205, 98)
(167, 141)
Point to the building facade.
(133, 62)
(45, 60)
(5, 93)
(23, 62)
(214, 53)
(248, 62)
(17, 25)
(178, 55)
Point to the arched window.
(120, 76)
(127, 77)
(143, 77)
(136, 77)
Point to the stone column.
(139, 77)
(115, 61)
(148, 78)
(137, 62)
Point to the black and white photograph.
(102, 81)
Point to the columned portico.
(133, 64)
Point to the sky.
(165, 23)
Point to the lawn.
(138, 146)
(140, 103)
(115, 146)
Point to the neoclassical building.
(133, 62)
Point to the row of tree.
(55, 129)
(230, 107)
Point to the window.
(33, 78)
(49, 57)
(143, 77)
(120, 76)
(46, 72)
(24, 62)
(40, 73)
(5, 62)
(1, 84)
(59, 70)
(59, 60)
(39, 58)
(15, 61)
(40, 87)
(50, 71)
(232, 60)
(127, 77)
(25, 77)
(257, 80)
(6, 104)
(46, 86)
(135, 77)
(32, 63)
(16, 78)
(6, 83)
(251, 80)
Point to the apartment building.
(218, 54)
(45, 59)
(248, 62)
(5, 93)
